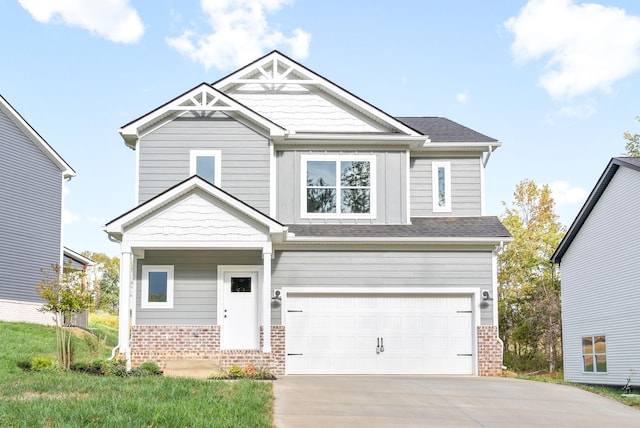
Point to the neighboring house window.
(441, 179)
(157, 287)
(338, 186)
(594, 354)
(206, 165)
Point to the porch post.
(125, 299)
(266, 300)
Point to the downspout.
(485, 161)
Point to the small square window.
(157, 287)
(241, 285)
(206, 165)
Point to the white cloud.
(67, 216)
(565, 194)
(589, 46)
(114, 20)
(462, 97)
(240, 33)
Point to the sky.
(555, 81)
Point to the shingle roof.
(429, 227)
(443, 130)
(592, 200)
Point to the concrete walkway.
(434, 401)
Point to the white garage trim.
(470, 292)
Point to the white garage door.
(379, 334)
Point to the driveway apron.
(440, 401)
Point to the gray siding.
(466, 190)
(164, 158)
(390, 186)
(30, 210)
(195, 285)
(600, 278)
(384, 269)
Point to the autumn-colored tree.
(65, 297)
(633, 143)
(529, 287)
(105, 279)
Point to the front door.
(239, 328)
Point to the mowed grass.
(54, 399)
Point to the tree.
(529, 287)
(633, 143)
(105, 281)
(65, 297)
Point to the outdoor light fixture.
(276, 300)
(486, 298)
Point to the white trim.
(134, 290)
(273, 182)
(61, 242)
(435, 186)
(217, 163)
(137, 188)
(482, 192)
(337, 158)
(494, 288)
(473, 292)
(407, 168)
(144, 284)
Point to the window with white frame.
(338, 186)
(157, 287)
(594, 354)
(441, 179)
(206, 165)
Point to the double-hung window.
(157, 287)
(338, 186)
(594, 354)
(441, 179)
(206, 165)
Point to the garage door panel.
(339, 334)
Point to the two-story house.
(285, 222)
(31, 175)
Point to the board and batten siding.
(195, 280)
(466, 186)
(600, 284)
(391, 187)
(164, 158)
(30, 214)
(376, 269)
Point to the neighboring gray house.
(599, 260)
(275, 201)
(32, 176)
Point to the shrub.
(79, 366)
(39, 364)
(115, 368)
(250, 371)
(150, 368)
(99, 364)
(236, 372)
(24, 364)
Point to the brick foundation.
(489, 351)
(160, 343)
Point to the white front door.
(239, 327)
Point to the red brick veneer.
(489, 351)
(160, 343)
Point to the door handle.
(382, 344)
(378, 347)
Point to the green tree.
(633, 143)
(65, 297)
(105, 281)
(529, 287)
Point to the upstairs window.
(157, 287)
(206, 165)
(441, 179)
(338, 186)
(594, 354)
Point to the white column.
(125, 299)
(266, 301)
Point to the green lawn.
(53, 399)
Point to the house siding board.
(376, 269)
(164, 158)
(30, 225)
(465, 186)
(600, 283)
(195, 284)
(390, 185)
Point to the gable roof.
(32, 134)
(296, 73)
(423, 229)
(592, 200)
(202, 97)
(116, 226)
(443, 130)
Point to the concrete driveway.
(435, 401)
